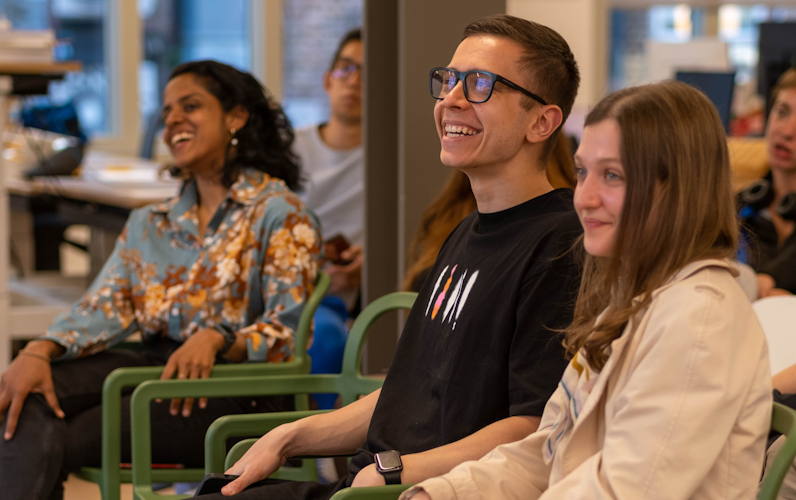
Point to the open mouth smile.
(460, 131)
(181, 137)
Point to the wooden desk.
(102, 196)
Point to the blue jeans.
(328, 344)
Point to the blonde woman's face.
(600, 191)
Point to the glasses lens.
(478, 86)
(442, 82)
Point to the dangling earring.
(234, 140)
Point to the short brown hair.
(548, 64)
(786, 81)
(678, 207)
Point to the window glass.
(79, 26)
(176, 31)
(312, 30)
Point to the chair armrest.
(217, 387)
(391, 492)
(255, 424)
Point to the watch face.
(388, 460)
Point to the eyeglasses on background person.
(344, 68)
(478, 84)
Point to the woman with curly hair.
(218, 274)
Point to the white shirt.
(334, 185)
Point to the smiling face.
(781, 132)
(474, 135)
(600, 192)
(345, 90)
(196, 127)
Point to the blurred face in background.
(343, 84)
(781, 132)
(600, 192)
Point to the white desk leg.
(5, 221)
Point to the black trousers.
(45, 448)
(295, 490)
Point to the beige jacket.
(681, 410)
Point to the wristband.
(229, 337)
(35, 355)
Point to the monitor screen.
(719, 88)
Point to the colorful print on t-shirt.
(457, 298)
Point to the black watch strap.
(229, 337)
(392, 477)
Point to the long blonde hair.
(678, 207)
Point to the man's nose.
(456, 98)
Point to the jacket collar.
(181, 210)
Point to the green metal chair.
(783, 420)
(350, 385)
(110, 476)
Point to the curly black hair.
(266, 141)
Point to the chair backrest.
(783, 420)
(302, 336)
(352, 356)
(777, 316)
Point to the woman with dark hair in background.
(218, 274)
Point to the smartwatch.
(229, 337)
(389, 465)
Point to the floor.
(77, 489)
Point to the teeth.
(459, 130)
(182, 136)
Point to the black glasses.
(344, 68)
(478, 84)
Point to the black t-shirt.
(766, 255)
(483, 340)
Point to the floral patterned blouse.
(251, 273)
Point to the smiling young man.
(480, 354)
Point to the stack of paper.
(26, 46)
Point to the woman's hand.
(767, 287)
(193, 359)
(24, 375)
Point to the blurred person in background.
(768, 208)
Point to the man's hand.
(193, 359)
(262, 459)
(28, 374)
(420, 495)
(368, 476)
(349, 276)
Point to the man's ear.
(545, 124)
(327, 81)
(237, 117)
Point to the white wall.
(584, 24)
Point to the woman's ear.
(237, 117)
(546, 122)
